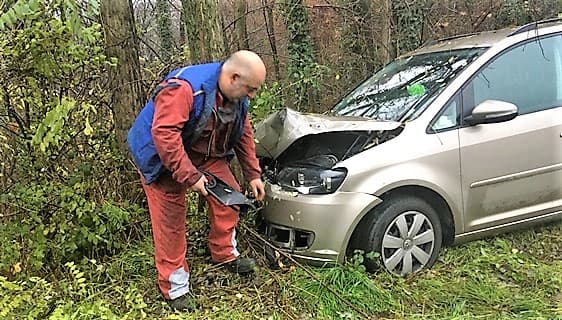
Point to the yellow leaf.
(16, 268)
(88, 130)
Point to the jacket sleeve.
(245, 151)
(172, 106)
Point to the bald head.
(241, 75)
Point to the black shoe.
(183, 303)
(241, 265)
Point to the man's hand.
(199, 186)
(257, 189)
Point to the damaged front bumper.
(313, 228)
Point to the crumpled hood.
(274, 134)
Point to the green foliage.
(518, 12)
(49, 65)
(57, 223)
(164, 29)
(32, 298)
(351, 283)
(50, 130)
(72, 297)
(269, 99)
(304, 74)
(62, 177)
(16, 12)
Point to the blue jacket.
(203, 79)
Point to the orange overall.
(166, 196)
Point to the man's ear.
(235, 76)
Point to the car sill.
(464, 237)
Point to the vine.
(303, 72)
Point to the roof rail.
(533, 26)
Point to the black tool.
(227, 195)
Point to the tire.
(405, 251)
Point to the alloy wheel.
(408, 243)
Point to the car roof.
(483, 39)
(474, 40)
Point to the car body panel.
(522, 175)
(283, 127)
(335, 214)
(411, 159)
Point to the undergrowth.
(514, 276)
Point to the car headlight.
(311, 180)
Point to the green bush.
(56, 223)
(268, 100)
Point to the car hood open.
(276, 133)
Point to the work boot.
(183, 303)
(241, 265)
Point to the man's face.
(244, 87)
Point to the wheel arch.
(434, 200)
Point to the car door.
(512, 170)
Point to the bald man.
(195, 121)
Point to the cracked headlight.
(311, 180)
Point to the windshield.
(401, 87)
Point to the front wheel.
(406, 231)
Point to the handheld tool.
(227, 195)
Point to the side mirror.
(492, 111)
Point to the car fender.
(381, 181)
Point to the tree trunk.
(164, 30)
(301, 54)
(205, 37)
(268, 18)
(183, 39)
(386, 34)
(241, 27)
(203, 26)
(121, 42)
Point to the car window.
(448, 118)
(528, 75)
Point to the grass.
(513, 276)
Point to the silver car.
(457, 140)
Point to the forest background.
(74, 230)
